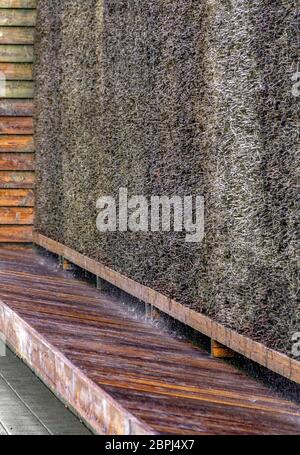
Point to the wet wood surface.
(166, 384)
(265, 356)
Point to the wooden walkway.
(122, 374)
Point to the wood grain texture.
(17, 17)
(273, 360)
(17, 162)
(121, 373)
(16, 215)
(16, 53)
(18, 144)
(17, 20)
(16, 35)
(17, 71)
(16, 107)
(16, 125)
(16, 234)
(16, 198)
(18, 89)
(17, 179)
(18, 3)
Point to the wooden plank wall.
(17, 22)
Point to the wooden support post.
(99, 283)
(220, 351)
(64, 263)
(67, 265)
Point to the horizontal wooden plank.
(16, 198)
(16, 107)
(16, 125)
(15, 17)
(18, 3)
(16, 35)
(275, 361)
(16, 53)
(16, 215)
(16, 234)
(17, 162)
(17, 89)
(17, 144)
(15, 179)
(17, 71)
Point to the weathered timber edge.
(96, 407)
(257, 352)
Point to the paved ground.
(27, 407)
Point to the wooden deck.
(122, 374)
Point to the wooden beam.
(16, 35)
(15, 234)
(273, 360)
(18, 89)
(17, 144)
(16, 215)
(17, 17)
(17, 162)
(16, 107)
(17, 71)
(16, 198)
(16, 52)
(18, 4)
(17, 179)
(16, 125)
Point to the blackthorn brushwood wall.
(182, 97)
